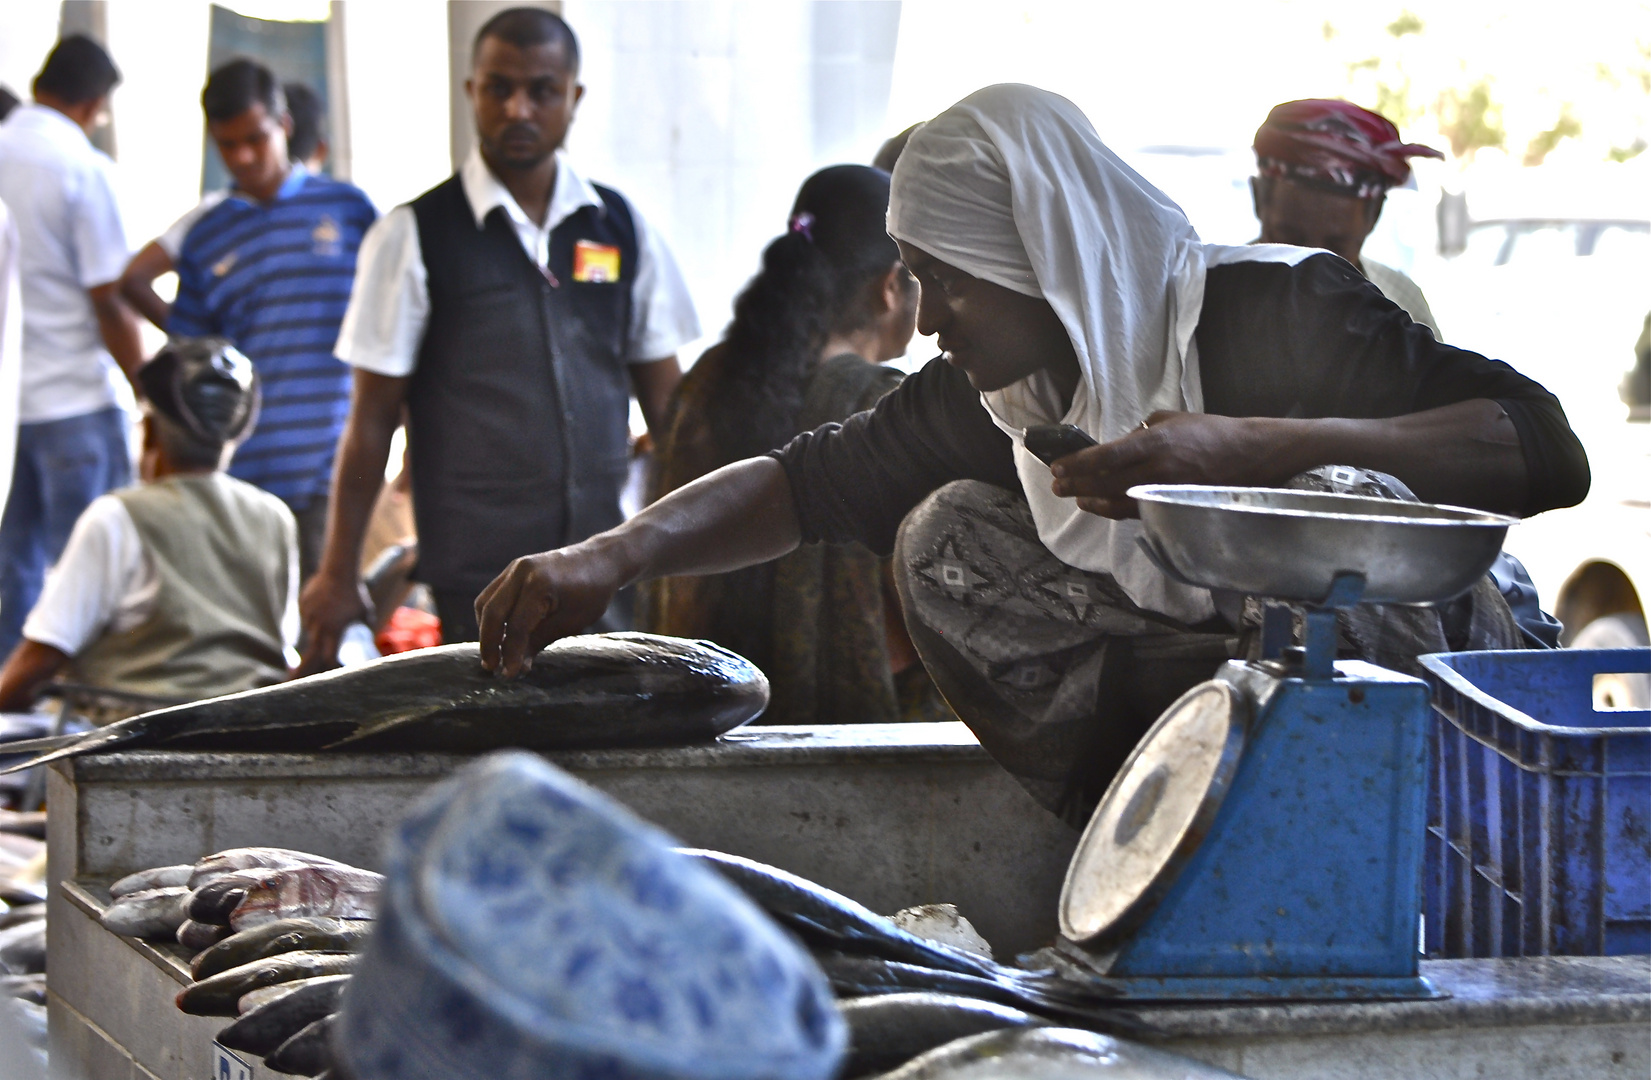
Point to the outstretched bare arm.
(738, 516)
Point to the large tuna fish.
(588, 692)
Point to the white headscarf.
(1013, 185)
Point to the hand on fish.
(540, 598)
(1168, 448)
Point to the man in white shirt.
(78, 334)
(513, 310)
(182, 587)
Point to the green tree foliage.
(1566, 127)
(1470, 119)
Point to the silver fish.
(196, 936)
(1052, 1054)
(212, 902)
(830, 920)
(281, 936)
(306, 1053)
(257, 999)
(23, 948)
(234, 860)
(161, 877)
(890, 1029)
(261, 1030)
(152, 913)
(338, 892)
(585, 692)
(27, 987)
(221, 994)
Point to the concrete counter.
(890, 815)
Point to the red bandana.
(1335, 144)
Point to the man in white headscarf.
(1066, 289)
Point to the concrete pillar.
(338, 93)
(464, 18)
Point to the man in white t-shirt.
(185, 586)
(78, 334)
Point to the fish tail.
(74, 746)
(36, 746)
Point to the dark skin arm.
(653, 383)
(334, 598)
(738, 516)
(119, 327)
(138, 280)
(30, 667)
(1466, 454)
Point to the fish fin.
(381, 724)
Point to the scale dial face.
(1154, 815)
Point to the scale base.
(1212, 988)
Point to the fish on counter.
(196, 936)
(21, 913)
(24, 823)
(261, 1030)
(235, 860)
(864, 953)
(830, 920)
(30, 988)
(257, 999)
(212, 902)
(890, 1029)
(282, 936)
(337, 892)
(308, 1053)
(942, 923)
(23, 948)
(159, 877)
(220, 994)
(586, 692)
(151, 913)
(1052, 1054)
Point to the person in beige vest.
(185, 586)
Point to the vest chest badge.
(595, 263)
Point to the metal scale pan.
(1264, 839)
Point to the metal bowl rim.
(1160, 494)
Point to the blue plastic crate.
(1539, 807)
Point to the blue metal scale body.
(1308, 884)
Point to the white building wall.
(708, 114)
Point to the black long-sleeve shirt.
(1305, 341)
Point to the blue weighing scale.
(1264, 840)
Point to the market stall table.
(892, 815)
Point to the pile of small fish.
(904, 995)
(595, 691)
(275, 934)
(23, 923)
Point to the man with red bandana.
(1323, 171)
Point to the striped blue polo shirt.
(275, 279)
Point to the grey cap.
(205, 386)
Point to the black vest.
(519, 406)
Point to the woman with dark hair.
(806, 347)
